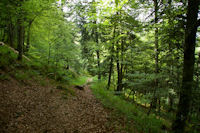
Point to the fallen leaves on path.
(36, 109)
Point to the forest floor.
(32, 108)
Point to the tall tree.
(20, 30)
(96, 36)
(155, 98)
(111, 60)
(188, 66)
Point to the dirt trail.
(35, 109)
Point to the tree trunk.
(119, 80)
(111, 61)
(96, 39)
(20, 38)
(3, 36)
(98, 52)
(23, 39)
(155, 99)
(188, 67)
(98, 65)
(110, 71)
(119, 68)
(10, 33)
(28, 36)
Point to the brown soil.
(34, 108)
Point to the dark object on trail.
(79, 87)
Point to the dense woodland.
(145, 52)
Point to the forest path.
(35, 109)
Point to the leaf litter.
(34, 108)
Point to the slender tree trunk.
(188, 67)
(10, 33)
(96, 39)
(20, 32)
(119, 80)
(155, 99)
(20, 38)
(111, 61)
(28, 36)
(110, 71)
(23, 39)
(98, 65)
(119, 63)
(120, 68)
(171, 97)
(3, 36)
(98, 52)
(119, 75)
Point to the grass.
(135, 117)
(79, 81)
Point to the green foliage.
(26, 70)
(21, 76)
(142, 121)
(81, 80)
(54, 72)
(7, 57)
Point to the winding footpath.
(35, 109)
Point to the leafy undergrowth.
(135, 117)
(27, 71)
(79, 81)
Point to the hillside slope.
(31, 102)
